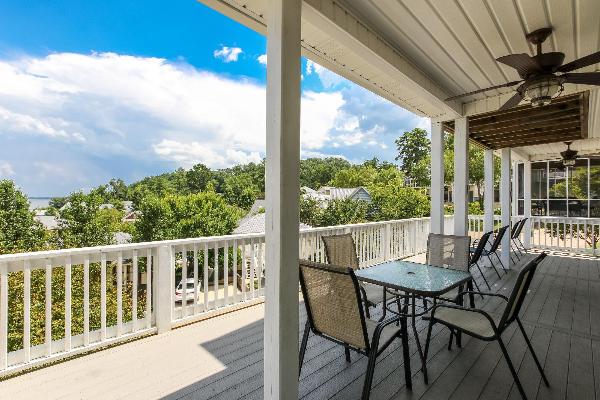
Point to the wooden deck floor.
(222, 358)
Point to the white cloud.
(139, 107)
(228, 54)
(188, 154)
(262, 59)
(328, 78)
(6, 169)
(423, 123)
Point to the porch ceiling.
(417, 53)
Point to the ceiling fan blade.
(512, 102)
(509, 84)
(523, 63)
(585, 78)
(590, 59)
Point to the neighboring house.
(334, 193)
(256, 224)
(50, 222)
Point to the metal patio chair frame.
(510, 314)
(353, 335)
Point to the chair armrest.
(485, 294)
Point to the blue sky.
(95, 90)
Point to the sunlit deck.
(221, 358)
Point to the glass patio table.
(416, 280)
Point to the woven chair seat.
(451, 295)
(466, 320)
(386, 335)
(374, 292)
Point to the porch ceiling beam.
(521, 142)
(525, 122)
(540, 132)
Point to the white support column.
(527, 199)
(461, 176)
(515, 187)
(505, 204)
(488, 190)
(437, 178)
(282, 195)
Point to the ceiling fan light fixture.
(541, 90)
(569, 156)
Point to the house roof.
(50, 222)
(256, 224)
(335, 193)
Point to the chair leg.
(493, 266)
(303, 345)
(369, 375)
(367, 313)
(347, 353)
(384, 305)
(501, 263)
(451, 339)
(483, 276)
(512, 368)
(406, 353)
(427, 340)
(537, 362)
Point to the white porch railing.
(56, 304)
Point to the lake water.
(39, 202)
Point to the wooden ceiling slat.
(564, 119)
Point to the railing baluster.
(86, 301)
(260, 268)
(134, 292)
(216, 276)
(149, 288)
(3, 317)
(244, 270)
(252, 267)
(226, 273)
(103, 297)
(48, 310)
(183, 282)
(68, 304)
(205, 275)
(196, 292)
(235, 269)
(27, 311)
(119, 294)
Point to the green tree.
(186, 216)
(354, 176)
(83, 223)
(343, 212)
(318, 172)
(413, 147)
(240, 190)
(19, 231)
(391, 202)
(198, 177)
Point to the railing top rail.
(10, 258)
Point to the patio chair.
(335, 312)
(493, 250)
(341, 250)
(479, 324)
(476, 254)
(449, 251)
(516, 236)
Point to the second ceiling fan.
(543, 75)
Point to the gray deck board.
(561, 314)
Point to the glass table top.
(413, 277)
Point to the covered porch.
(417, 55)
(222, 358)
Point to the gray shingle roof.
(256, 224)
